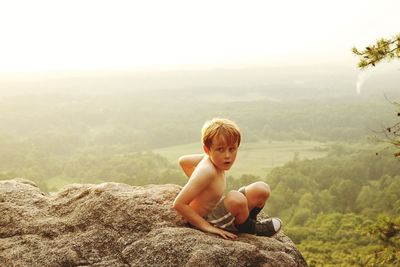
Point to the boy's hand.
(223, 233)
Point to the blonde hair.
(218, 127)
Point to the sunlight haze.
(102, 109)
(75, 35)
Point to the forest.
(340, 209)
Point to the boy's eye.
(232, 149)
(220, 149)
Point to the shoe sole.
(280, 226)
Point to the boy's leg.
(256, 195)
(239, 204)
(236, 203)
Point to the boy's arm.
(189, 162)
(200, 179)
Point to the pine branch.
(382, 49)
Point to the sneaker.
(268, 227)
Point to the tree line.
(340, 210)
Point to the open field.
(256, 158)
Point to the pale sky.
(39, 35)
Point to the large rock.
(114, 224)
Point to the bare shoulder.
(206, 167)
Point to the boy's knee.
(257, 194)
(261, 188)
(235, 202)
(267, 190)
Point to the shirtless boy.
(201, 201)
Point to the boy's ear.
(206, 150)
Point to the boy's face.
(221, 153)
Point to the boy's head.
(220, 129)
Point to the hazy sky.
(83, 34)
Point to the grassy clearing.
(256, 158)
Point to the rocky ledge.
(115, 224)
